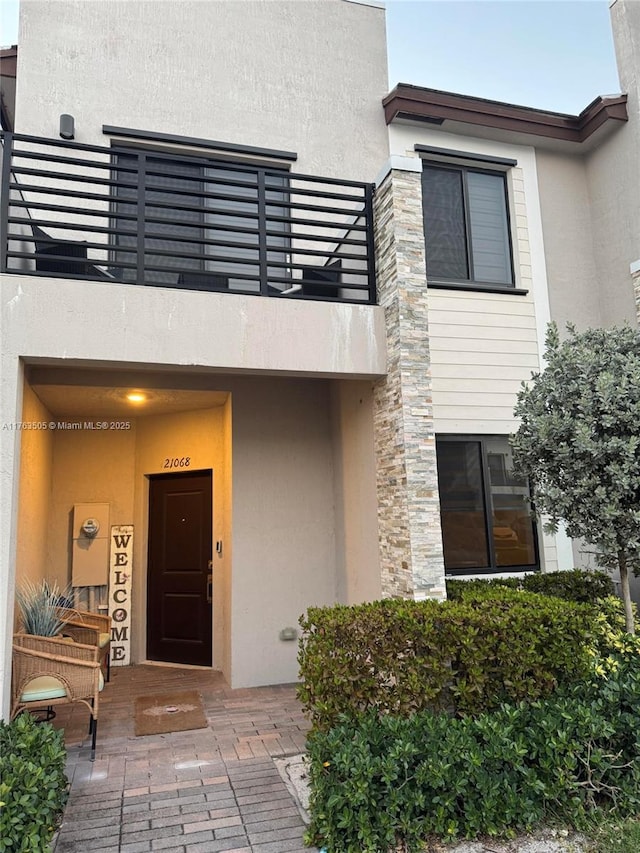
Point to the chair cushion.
(47, 687)
(42, 688)
(103, 640)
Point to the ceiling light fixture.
(136, 397)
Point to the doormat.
(169, 712)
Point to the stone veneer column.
(635, 278)
(411, 557)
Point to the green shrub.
(468, 656)
(458, 589)
(33, 785)
(610, 638)
(377, 781)
(574, 585)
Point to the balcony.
(138, 216)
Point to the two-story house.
(190, 332)
(274, 318)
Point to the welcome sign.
(120, 569)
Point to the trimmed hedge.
(400, 656)
(574, 585)
(33, 785)
(377, 781)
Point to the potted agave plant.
(42, 607)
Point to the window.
(484, 509)
(203, 222)
(466, 225)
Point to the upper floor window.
(204, 222)
(466, 226)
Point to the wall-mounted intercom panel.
(90, 547)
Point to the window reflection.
(482, 497)
(462, 508)
(511, 520)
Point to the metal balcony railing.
(145, 217)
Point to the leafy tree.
(579, 443)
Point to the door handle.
(210, 582)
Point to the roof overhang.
(408, 103)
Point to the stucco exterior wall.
(36, 460)
(306, 77)
(56, 319)
(11, 393)
(274, 74)
(612, 175)
(284, 548)
(88, 467)
(222, 613)
(574, 289)
(357, 553)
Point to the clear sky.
(552, 54)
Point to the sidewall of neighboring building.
(612, 176)
(591, 211)
(574, 289)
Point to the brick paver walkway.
(201, 791)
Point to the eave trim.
(433, 105)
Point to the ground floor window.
(486, 517)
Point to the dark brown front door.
(178, 577)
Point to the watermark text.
(18, 426)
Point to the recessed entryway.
(98, 447)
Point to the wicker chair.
(92, 629)
(50, 671)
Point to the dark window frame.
(471, 283)
(493, 568)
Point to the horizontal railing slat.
(158, 213)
